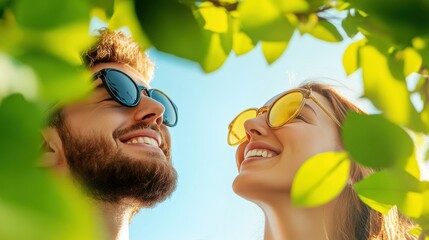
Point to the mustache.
(119, 132)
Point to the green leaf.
(220, 45)
(376, 142)
(216, 18)
(326, 31)
(412, 61)
(351, 57)
(263, 20)
(242, 43)
(124, 15)
(33, 204)
(377, 206)
(4, 4)
(67, 42)
(171, 27)
(352, 23)
(392, 187)
(293, 6)
(105, 5)
(273, 50)
(216, 54)
(49, 14)
(387, 92)
(398, 21)
(58, 80)
(18, 132)
(320, 179)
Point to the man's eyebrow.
(312, 109)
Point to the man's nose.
(149, 111)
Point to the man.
(115, 141)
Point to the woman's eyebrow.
(312, 109)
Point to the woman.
(275, 140)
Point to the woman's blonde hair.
(360, 222)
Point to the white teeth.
(252, 153)
(147, 140)
(259, 153)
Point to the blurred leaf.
(32, 204)
(172, 28)
(125, 15)
(50, 13)
(273, 50)
(320, 179)
(216, 18)
(216, 54)
(326, 31)
(411, 166)
(351, 24)
(293, 6)
(412, 61)
(377, 206)
(263, 20)
(58, 80)
(4, 4)
(105, 5)
(305, 23)
(388, 93)
(389, 144)
(341, 5)
(220, 45)
(68, 42)
(416, 231)
(398, 20)
(393, 188)
(351, 61)
(18, 132)
(241, 42)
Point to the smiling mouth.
(260, 153)
(142, 140)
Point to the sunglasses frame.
(307, 94)
(102, 74)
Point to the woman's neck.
(286, 222)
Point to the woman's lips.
(258, 150)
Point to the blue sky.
(204, 205)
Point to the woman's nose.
(256, 127)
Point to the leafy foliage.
(320, 179)
(48, 37)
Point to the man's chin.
(111, 174)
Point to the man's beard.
(111, 176)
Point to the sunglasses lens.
(122, 87)
(170, 112)
(237, 132)
(285, 108)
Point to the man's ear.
(53, 152)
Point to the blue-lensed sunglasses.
(125, 91)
